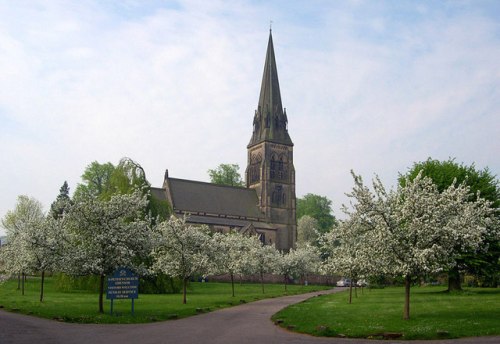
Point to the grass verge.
(434, 314)
(82, 307)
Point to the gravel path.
(247, 323)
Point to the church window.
(277, 195)
(262, 238)
(273, 167)
(280, 169)
(255, 161)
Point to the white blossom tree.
(26, 219)
(415, 230)
(233, 254)
(348, 248)
(298, 263)
(104, 235)
(263, 259)
(181, 250)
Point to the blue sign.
(123, 284)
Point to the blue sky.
(371, 86)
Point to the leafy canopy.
(226, 174)
(318, 207)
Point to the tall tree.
(226, 174)
(127, 177)
(416, 229)
(482, 183)
(96, 181)
(103, 235)
(62, 202)
(318, 207)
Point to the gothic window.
(277, 196)
(255, 161)
(280, 169)
(273, 167)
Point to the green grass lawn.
(434, 314)
(83, 306)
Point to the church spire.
(270, 122)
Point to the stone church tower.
(270, 169)
(266, 206)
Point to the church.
(267, 205)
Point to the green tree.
(106, 180)
(127, 177)
(484, 262)
(62, 202)
(318, 207)
(226, 174)
(96, 181)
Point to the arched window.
(273, 167)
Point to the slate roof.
(206, 199)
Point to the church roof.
(270, 121)
(206, 199)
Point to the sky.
(369, 86)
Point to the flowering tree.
(485, 261)
(43, 244)
(298, 263)
(181, 250)
(416, 229)
(104, 235)
(25, 219)
(233, 253)
(263, 259)
(348, 248)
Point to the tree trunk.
(232, 283)
(454, 280)
(18, 281)
(41, 286)
(101, 293)
(262, 281)
(350, 292)
(23, 280)
(286, 290)
(406, 312)
(184, 291)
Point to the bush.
(159, 284)
(67, 283)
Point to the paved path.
(247, 323)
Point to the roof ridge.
(213, 184)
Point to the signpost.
(123, 284)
